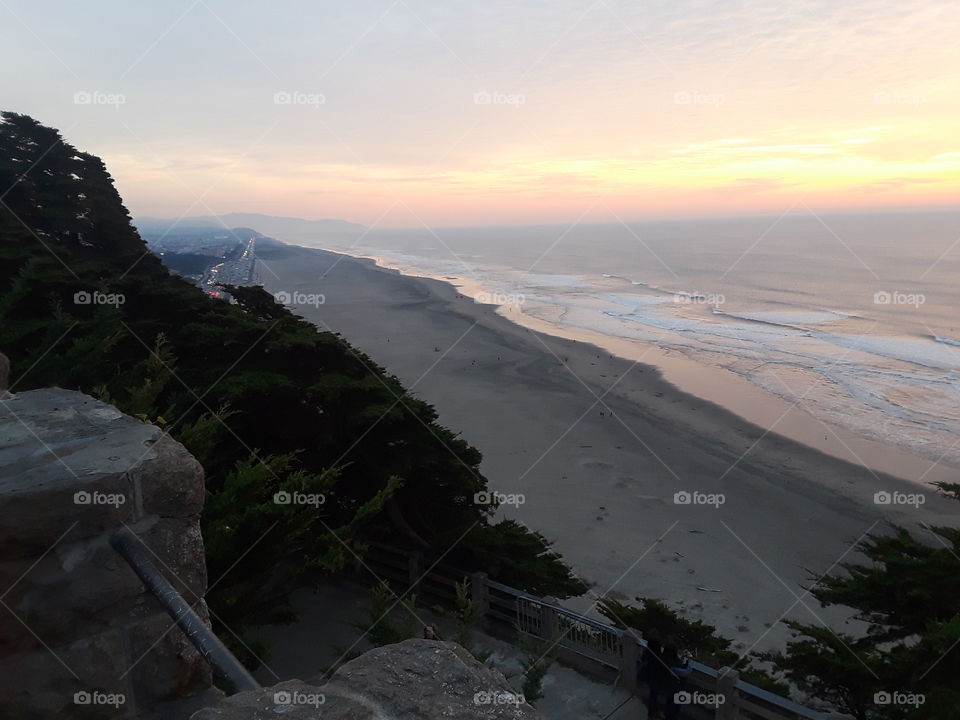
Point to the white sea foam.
(789, 318)
(909, 350)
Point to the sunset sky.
(402, 112)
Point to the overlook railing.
(592, 646)
(223, 662)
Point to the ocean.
(853, 318)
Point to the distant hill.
(295, 230)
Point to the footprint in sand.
(591, 464)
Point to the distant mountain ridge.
(281, 228)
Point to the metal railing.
(588, 644)
(223, 662)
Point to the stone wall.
(79, 635)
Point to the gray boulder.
(411, 680)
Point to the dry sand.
(599, 445)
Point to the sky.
(401, 113)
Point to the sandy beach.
(600, 445)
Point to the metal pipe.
(207, 644)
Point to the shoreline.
(722, 387)
(599, 445)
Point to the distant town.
(210, 258)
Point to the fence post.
(413, 568)
(629, 656)
(727, 687)
(549, 624)
(480, 594)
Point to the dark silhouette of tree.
(908, 664)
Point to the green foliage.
(244, 514)
(517, 556)
(538, 656)
(201, 435)
(656, 620)
(150, 378)
(390, 618)
(907, 592)
(908, 586)
(467, 616)
(855, 668)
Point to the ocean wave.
(614, 276)
(796, 316)
(914, 351)
(797, 320)
(946, 341)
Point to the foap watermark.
(699, 298)
(685, 497)
(296, 97)
(484, 97)
(298, 498)
(896, 98)
(295, 697)
(85, 297)
(95, 697)
(499, 298)
(710, 700)
(297, 298)
(886, 297)
(687, 97)
(898, 697)
(95, 97)
(885, 497)
(492, 497)
(85, 497)
(498, 697)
